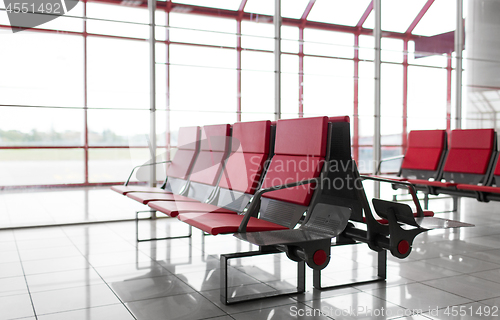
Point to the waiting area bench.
(468, 168)
(289, 186)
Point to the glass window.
(41, 166)
(257, 35)
(41, 126)
(257, 91)
(260, 6)
(51, 77)
(426, 111)
(328, 43)
(397, 15)
(328, 86)
(117, 12)
(118, 127)
(189, 28)
(219, 4)
(110, 165)
(338, 11)
(202, 89)
(118, 73)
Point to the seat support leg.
(426, 201)
(224, 264)
(153, 214)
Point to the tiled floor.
(100, 272)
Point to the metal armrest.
(254, 206)
(143, 165)
(387, 159)
(411, 189)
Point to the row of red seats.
(222, 174)
(468, 167)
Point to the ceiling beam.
(419, 16)
(365, 15)
(307, 10)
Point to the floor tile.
(13, 286)
(149, 288)
(417, 296)
(210, 279)
(73, 298)
(467, 286)
(214, 297)
(48, 253)
(421, 271)
(13, 307)
(55, 265)
(63, 279)
(117, 258)
(11, 269)
(111, 312)
(462, 264)
(191, 306)
(123, 272)
(9, 256)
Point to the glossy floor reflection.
(100, 272)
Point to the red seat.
(226, 223)
(181, 165)
(425, 150)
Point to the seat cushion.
(144, 197)
(173, 208)
(226, 223)
(432, 183)
(472, 187)
(126, 189)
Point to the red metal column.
(355, 120)
(85, 95)
(301, 72)
(448, 95)
(405, 97)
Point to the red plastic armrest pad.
(473, 187)
(173, 208)
(432, 183)
(145, 198)
(126, 189)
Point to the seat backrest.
(299, 154)
(214, 146)
(182, 164)
(241, 176)
(425, 154)
(339, 198)
(470, 156)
